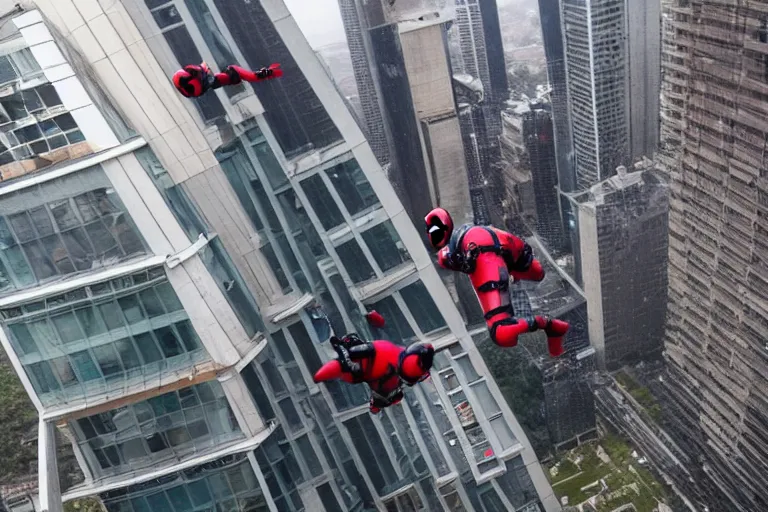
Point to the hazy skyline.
(320, 20)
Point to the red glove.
(375, 319)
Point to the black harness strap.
(497, 311)
(465, 261)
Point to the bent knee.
(503, 332)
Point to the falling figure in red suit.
(490, 256)
(384, 366)
(194, 81)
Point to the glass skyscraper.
(172, 271)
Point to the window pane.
(14, 106)
(277, 269)
(76, 247)
(28, 133)
(271, 166)
(422, 307)
(188, 335)
(291, 414)
(396, 328)
(86, 368)
(23, 339)
(108, 360)
(299, 220)
(305, 346)
(257, 391)
(233, 286)
(65, 122)
(26, 62)
(291, 263)
(309, 456)
(237, 168)
(354, 261)
(7, 73)
(166, 16)
(152, 304)
(49, 95)
(385, 245)
(168, 296)
(353, 187)
(115, 354)
(169, 343)
(67, 327)
(31, 100)
(322, 202)
(273, 223)
(467, 368)
(503, 432)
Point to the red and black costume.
(384, 366)
(490, 257)
(193, 81)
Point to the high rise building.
(519, 203)
(477, 51)
(713, 122)
(569, 408)
(366, 88)
(538, 135)
(552, 37)
(611, 52)
(408, 55)
(623, 222)
(172, 270)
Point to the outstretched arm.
(233, 75)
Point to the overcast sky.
(319, 20)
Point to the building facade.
(538, 134)
(569, 408)
(552, 38)
(718, 248)
(478, 52)
(366, 87)
(170, 285)
(624, 225)
(612, 52)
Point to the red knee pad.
(505, 332)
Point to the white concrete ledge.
(182, 256)
(43, 176)
(253, 353)
(99, 488)
(294, 308)
(78, 282)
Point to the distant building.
(569, 408)
(613, 74)
(372, 119)
(714, 113)
(538, 136)
(624, 239)
(477, 51)
(517, 196)
(407, 54)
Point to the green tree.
(84, 505)
(18, 418)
